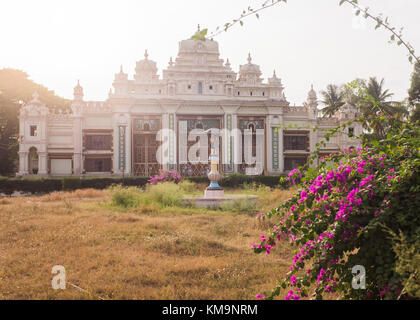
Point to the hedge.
(47, 185)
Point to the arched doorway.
(33, 161)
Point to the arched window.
(200, 88)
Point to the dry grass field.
(143, 252)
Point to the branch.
(245, 13)
(380, 22)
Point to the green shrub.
(167, 194)
(47, 185)
(126, 197)
(337, 220)
(188, 186)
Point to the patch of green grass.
(247, 206)
(126, 197)
(166, 194)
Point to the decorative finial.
(146, 55)
(198, 28)
(312, 87)
(274, 73)
(78, 83)
(121, 69)
(249, 58)
(170, 61)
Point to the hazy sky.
(306, 41)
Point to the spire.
(312, 98)
(227, 64)
(249, 58)
(146, 55)
(121, 69)
(274, 80)
(78, 91)
(171, 63)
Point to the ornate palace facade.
(198, 90)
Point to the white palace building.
(198, 90)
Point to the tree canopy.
(16, 88)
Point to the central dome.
(249, 68)
(146, 65)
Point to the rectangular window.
(295, 142)
(351, 132)
(98, 142)
(200, 88)
(33, 131)
(98, 164)
(291, 163)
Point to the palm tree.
(333, 99)
(377, 102)
(378, 99)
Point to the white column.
(23, 162)
(42, 163)
(128, 147)
(269, 152)
(77, 141)
(281, 155)
(165, 126)
(235, 143)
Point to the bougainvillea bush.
(166, 176)
(341, 218)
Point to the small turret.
(78, 92)
(312, 98)
(312, 103)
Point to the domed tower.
(347, 112)
(33, 137)
(249, 73)
(146, 70)
(121, 84)
(276, 87)
(198, 70)
(348, 139)
(78, 92)
(78, 103)
(312, 103)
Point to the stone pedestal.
(214, 193)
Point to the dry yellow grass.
(142, 253)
